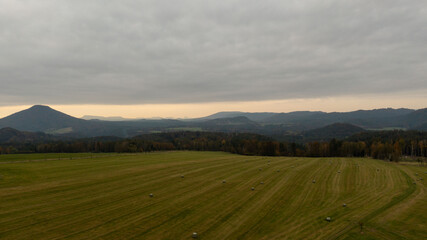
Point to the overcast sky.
(169, 52)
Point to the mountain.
(41, 118)
(416, 120)
(377, 118)
(336, 130)
(116, 118)
(257, 117)
(45, 119)
(233, 124)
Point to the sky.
(191, 58)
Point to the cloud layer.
(137, 52)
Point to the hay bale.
(223, 181)
(151, 195)
(339, 171)
(344, 205)
(261, 183)
(252, 188)
(328, 219)
(194, 235)
(182, 176)
(314, 181)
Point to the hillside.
(256, 116)
(416, 120)
(233, 124)
(10, 135)
(336, 130)
(377, 118)
(41, 118)
(45, 119)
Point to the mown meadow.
(218, 195)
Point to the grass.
(107, 197)
(7, 158)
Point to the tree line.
(390, 145)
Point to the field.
(91, 196)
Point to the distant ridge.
(284, 126)
(376, 118)
(231, 124)
(256, 116)
(115, 118)
(336, 130)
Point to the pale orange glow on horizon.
(193, 110)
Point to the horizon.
(202, 110)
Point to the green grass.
(107, 197)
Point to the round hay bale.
(194, 235)
(223, 181)
(252, 188)
(261, 183)
(314, 181)
(151, 195)
(339, 171)
(344, 205)
(182, 176)
(328, 219)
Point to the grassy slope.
(8, 158)
(107, 198)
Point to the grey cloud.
(134, 52)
